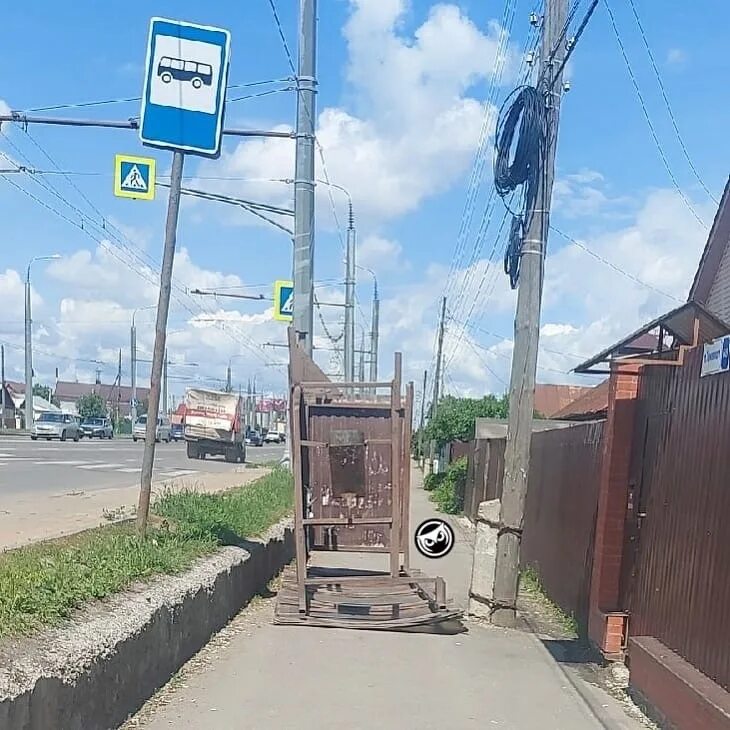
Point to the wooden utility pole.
(437, 373)
(527, 330)
(423, 416)
(159, 354)
(439, 356)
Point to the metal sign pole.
(158, 355)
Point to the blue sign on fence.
(185, 87)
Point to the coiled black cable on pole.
(513, 251)
(525, 119)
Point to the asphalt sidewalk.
(265, 677)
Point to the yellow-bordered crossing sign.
(284, 300)
(134, 177)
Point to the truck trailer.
(214, 425)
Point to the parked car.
(272, 437)
(253, 438)
(97, 428)
(177, 432)
(163, 433)
(62, 426)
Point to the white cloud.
(676, 57)
(416, 128)
(586, 306)
(586, 193)
(381, 254)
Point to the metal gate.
(678, 584)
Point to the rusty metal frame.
(391, 599)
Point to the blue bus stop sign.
(185, 87)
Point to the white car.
(164, 430)
(272, 437)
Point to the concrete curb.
(93, 673)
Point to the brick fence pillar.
(607, 620)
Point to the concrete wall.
(95, 672)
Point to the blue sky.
(402, 92)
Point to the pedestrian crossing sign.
(134, 177)
(284, 301)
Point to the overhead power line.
(108, 233)
(284, 43)
(611, 265)
(131, 99)
(663, 90)
(647, 117)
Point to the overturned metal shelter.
(350, 447)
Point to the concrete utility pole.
(29, 414)
(3, 425)
(229, 387)
(349, 343)
(133, 370)
(159, 352)
(361, 369)
(374, 335)
(527, 331)
(164, 385)
(303, 273)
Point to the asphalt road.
(49, 467)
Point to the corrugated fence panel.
(560, 513)
(681, 588)
(484, 477)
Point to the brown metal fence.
(484, 477)
(680, 591)
(560, 513)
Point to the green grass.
(530, 583)
(41, 584)
(447, 491)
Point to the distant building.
(116, 397)
(549, 399)
(711, 286)
(590, 406)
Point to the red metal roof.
(592, 404)
(549, 399)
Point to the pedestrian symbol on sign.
(133, 180)
(134, 177)
(284, 301)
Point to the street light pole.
(133, 362)
(374, 327)
(350, 298)
(29, 415)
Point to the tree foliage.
(42, 391)
(91, 405)
(455, 417)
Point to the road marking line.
(178, 473)
(70, 462)
(101, 466)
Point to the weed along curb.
(99, 668)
